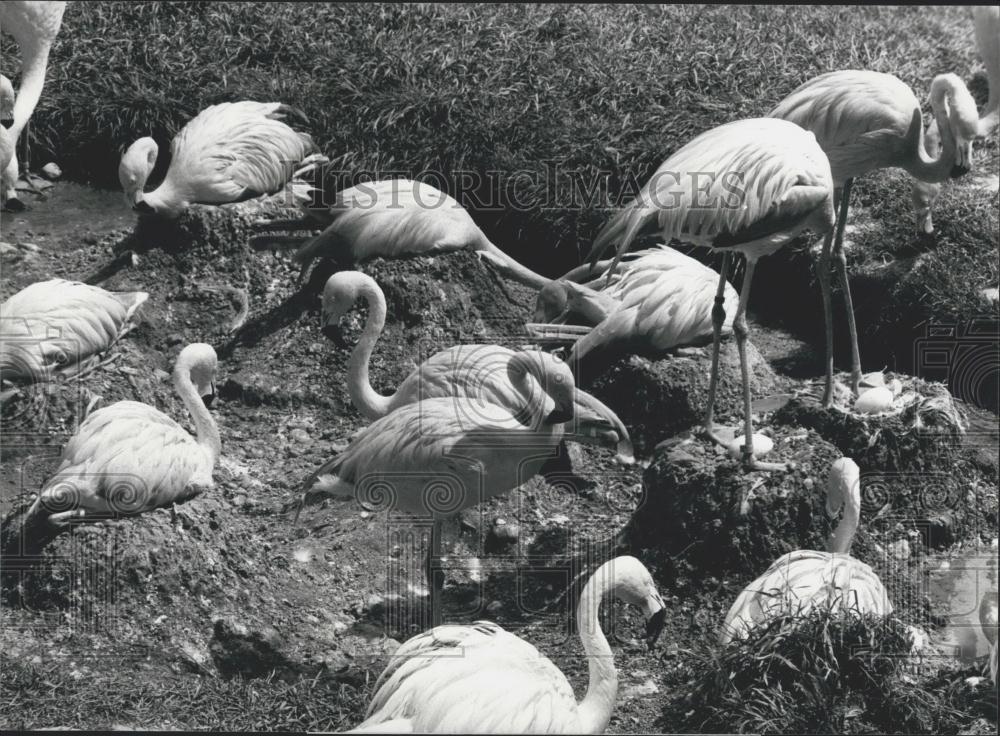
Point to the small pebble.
(51, 171)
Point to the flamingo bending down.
(986, 22)
(390, 219)
(34, 25)
(769, 181)
(60, 327)
(129, 458)
(657, 301)
(229, 152)
(483, 679)
(864, 121)
(437, 457)
(8, 159)
(988, 622)
(802, 580)
(470, 371)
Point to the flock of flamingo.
(475, 421)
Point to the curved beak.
(656, 616)
(209, 396)
(6, 122)
(963, 159)
(559, 415)
(331, 331)
(143, 208)
(597, 424)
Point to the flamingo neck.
(166, 199)
(597, 705)
(367, 400)
(938, 169)
(206, 431)
(30, 91)
(508, 266)
(843, 536)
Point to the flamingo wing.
(473, 679)
(469, 371)
(767, 178)
(237, 150)
(51, 326)
(126, 459)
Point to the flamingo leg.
(840, 260)
(823, 272)
(435, 578)
(718, 318)
(741, 332)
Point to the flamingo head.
(551, 302)
(963, 118)
(6, 102)
(341, 292)
(555, 401)
(134, 169)
(200, 363)
(634, 585)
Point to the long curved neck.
(842, 537)
(924, 167)
(36, 59)
(597, 705)
(204, 424)
(367, 400)
(508, 266)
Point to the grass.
(821, 673)
(599, 94)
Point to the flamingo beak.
(559, 415)
(143, 208)
(963, 160)
(209, 395)
(654, 624)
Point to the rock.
(301, 436)
(51, 171)
(991, 295)
(647, 687)
(238, 650)
(900, 549)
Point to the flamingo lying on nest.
(230, 152)
(657, 300)
(770, 181)
(390, 219)
(470, 371)
(129, 458)
(803, 580)
(437, 457)
(60, 327)
(483, 679)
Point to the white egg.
(762, 444)
(875, 401)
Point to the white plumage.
(988, 622)
(803, 580)
(59, 327)
(129, 458)
(229, 152)
(657, 300)
(8, 159)
(483, 679)
(34, 25)
(474, 371)
(767, 181)
(391, 219)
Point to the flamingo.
(439, 456)
(60, 327)
(34, 26)
(769, 180)
(483, 679)
(474, 371)
(390, 219)
(864, 121)
(988, 622)
(229, 152)
(8, 160)
(129, 458)
(659, 300)
(986, 23)
(802, 580)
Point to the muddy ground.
(156, 603)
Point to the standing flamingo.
(804, 579)
(864, 121)
(986, 23)
(436, 457)
(769, 181)
(129, 458)
(229, 152)
(988, 623)
(34, 25)
(390, 219)
(483, 679)
(472, 371)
